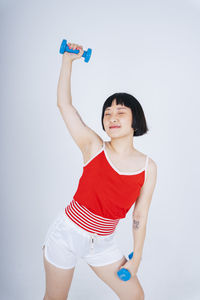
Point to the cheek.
(104, 122)
(127, 122)
(130, 119)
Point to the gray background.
(147, 48)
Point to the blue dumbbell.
(64, 48)
(123, 273)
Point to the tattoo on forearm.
(135, 224)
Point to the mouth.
(114, 127)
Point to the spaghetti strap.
(145, 168)
(146, 162)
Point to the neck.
(122, 145)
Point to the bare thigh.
(126, 290)
(58, 281)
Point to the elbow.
(138, 215)
(59, 106)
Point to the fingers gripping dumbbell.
(64, 48)
(123, 273)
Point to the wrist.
(137, 259)
(66, 61)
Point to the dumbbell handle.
(65, 48)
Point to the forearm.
(139, 233)
(64, 84)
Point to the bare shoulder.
(144, 200)
(149, 185)
(152, 166)
(151, 173)
(151, 170)
(151, 162)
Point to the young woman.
(115, 176)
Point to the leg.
(58, 281)
(126, 290)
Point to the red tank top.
(104, 194)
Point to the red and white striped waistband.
(89, 221)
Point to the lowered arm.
(140, 213)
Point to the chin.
(115, 134)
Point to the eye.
(120, 113)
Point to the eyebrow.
(118, 108)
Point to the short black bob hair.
(139, 122)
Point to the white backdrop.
(149, 49)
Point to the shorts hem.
(107, 263)
(52, 263)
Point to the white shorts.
(65, 242)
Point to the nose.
(113, 118)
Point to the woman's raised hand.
(72, 56)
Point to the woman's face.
(119, 116)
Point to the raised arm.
(80, 132)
